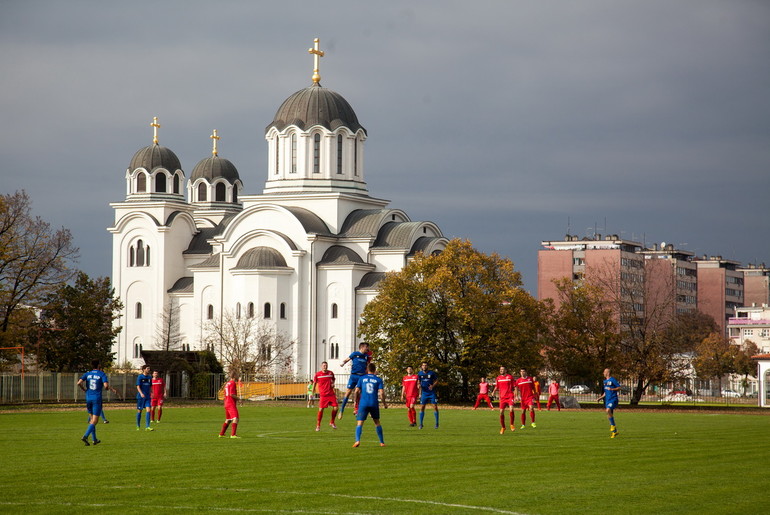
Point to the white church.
(306, 254)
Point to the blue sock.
(379, 434)
(103, 417)
(344, 401)
(436, 414)
(147, 418)
(612, 421)
(358, 433)
(138, 418)
(422, 416)
(93, 431)
(89, 431)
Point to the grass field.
(660, 463)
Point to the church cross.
(317, 54)
(215, 138)
(155, 126)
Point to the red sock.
(152, 414)
(224, 428)
(235, 428)
(532, 415)
(319, 417)
(523, 417)
(511, 416)
(160, 413)
(502, 420)
(334, 414)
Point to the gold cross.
(317, 53)
(155, 126)
(215, 138)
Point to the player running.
(323, 382)
(369, 390)
(93, 383)
(428, 380)
(483, 394)
(231, 409)
(504, 385)
(553, 395)
(143, 394)
(360, 359)
(159, 395)
(526, 386)
(409, 391)
(611, 388)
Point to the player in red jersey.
(537, 394)
(553, 395)
(504, 385)
(231, 409)
(483, 394)
(410, 386)
(323, 382)
(526, 387)
(159, 394)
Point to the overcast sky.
(506, 123)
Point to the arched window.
(238, 310)
(293, 153)
(138, 310)
(141, 183)
(210, 312)
(235, 193)
(334, 310)
(277, 156)
(176, 183)
(283, 310)
(147, 256)
(339, 153)
(131, 256)
(139, 253)
(251, 310)
(221, 189)
(202, 192)
(160, 182)
(267, 313)
(355, 157)
(317, 153)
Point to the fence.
(662, 395)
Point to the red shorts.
(410, 401)
(325, 402)
(157, 402)
(506, 403)
(527, 403)
(231, 411)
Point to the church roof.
(316, 105)
(182, 285)
(396, 234)
(363, 222)
(370, 280)
(210, 262)
(423, 244)
(155, 156)
(199, 243)
(215, 167)
(309, 220)
(260, 257)
(339, 255)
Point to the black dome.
(316, 106)
(215, 167)
(153, 157)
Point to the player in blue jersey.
(93, 383)
(143, 397)
(610, 396)
(428, 380)
(369, 390)
(360, 359)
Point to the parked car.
(730, 393)
(579, 388)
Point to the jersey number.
(369, 388)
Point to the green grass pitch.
(660, 463)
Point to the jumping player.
(323, 382)
(526, 387)
(231, 409)
(553, 395)
(93, 383)
(369, 390)
(143, 394)
(610, 396)
(159, 394)
(360, 359)
(428, 380)
(409, 392)
(504, 385)
(483, 394)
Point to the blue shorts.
(374, 411)
(611, 404)
(428, 397)
(143, 403)
(353, 381)
(94, 407)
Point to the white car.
(730, 393)
(579, 388)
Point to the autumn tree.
(77, 325)
(715, 357)
(169, 339)
(582, 335)
(248, 345)
(35, 260)
(744, 365)
(463, 311)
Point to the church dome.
(214, 167)
(155, 156)
(316, 105)
(261, 257)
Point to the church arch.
(176, 183)
(220, 192)
(283, 311)
(201, 192)
(138, 310)
(339, 153)
(161, 181)
(141, 182)
(317, 152)
(251, 310)
(293, 140)
(334, 310)
(268, 311)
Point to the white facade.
(305, 255)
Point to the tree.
(461, 310)
(34, 261)
(77, 325)
(169, 340)
(249, 345)
(744, 365)
(715, 357)
(582, 334)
